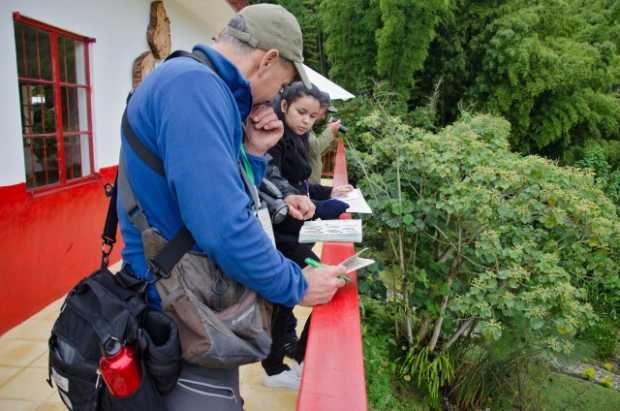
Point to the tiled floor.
(23, 370)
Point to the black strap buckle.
(106, 250)
(108, 189)
(156, 270)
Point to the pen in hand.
(313, 263)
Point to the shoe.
(286, 379)
(290, 346)
(298, 368)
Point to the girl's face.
(301, 114)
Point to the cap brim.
(299, 66)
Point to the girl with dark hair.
(289, 169)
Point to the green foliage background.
(537, 265)
(550, 67)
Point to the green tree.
(307, 13)
(551, 67)
(350, 26)
(402, 42)
(481, 245)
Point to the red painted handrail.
(333, 376)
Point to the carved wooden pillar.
(158, 33)
(158, 37)
(237, 4)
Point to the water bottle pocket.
(78, 391)
(146, 397)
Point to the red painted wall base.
(48, 241)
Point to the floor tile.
(16, 405)
(28, 385)
(32, 329)
(19, 353)
(51, 406)
(41, 362)
(116, 266)
(6, 373)
(257, 397)
(54, 397)
(49, 313)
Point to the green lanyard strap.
(247, 166)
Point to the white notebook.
(356, 201)
(343, 231)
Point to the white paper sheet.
(356, 201)
(343, 231)
(355, 262)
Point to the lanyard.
(247, 166)
(247, 174)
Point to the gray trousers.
(207, 389)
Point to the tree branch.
(458, 333)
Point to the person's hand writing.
(300, 207)
(263, 130)
(341, 191)
(323, 282)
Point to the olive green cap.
(270, 26)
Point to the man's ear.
(271, 57)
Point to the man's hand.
(263, 130)
(300, 207)
(334, 127)
(341, 191)
(323, 282)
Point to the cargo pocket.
(162, 357)
(77, 391)
(145, 398)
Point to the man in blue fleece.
(194, 119)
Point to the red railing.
(333, 376)
(329, 159)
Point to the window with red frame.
(55, 96)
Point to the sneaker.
(298, 368)
(286, 379)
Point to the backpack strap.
(108, 236)
(140, 149)
(196, 54)
(182, 242)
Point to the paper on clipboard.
(356, 201)
(344, 231)
(355, 262)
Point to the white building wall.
(119, 27)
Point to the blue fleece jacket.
(192, 119)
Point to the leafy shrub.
(603, 335)
(589, 374)
(603, 158)
(477, 241)
(430, 370)
(384, 391)
(608, 381)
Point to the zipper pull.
(98, 379)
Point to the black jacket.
(289, 169)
